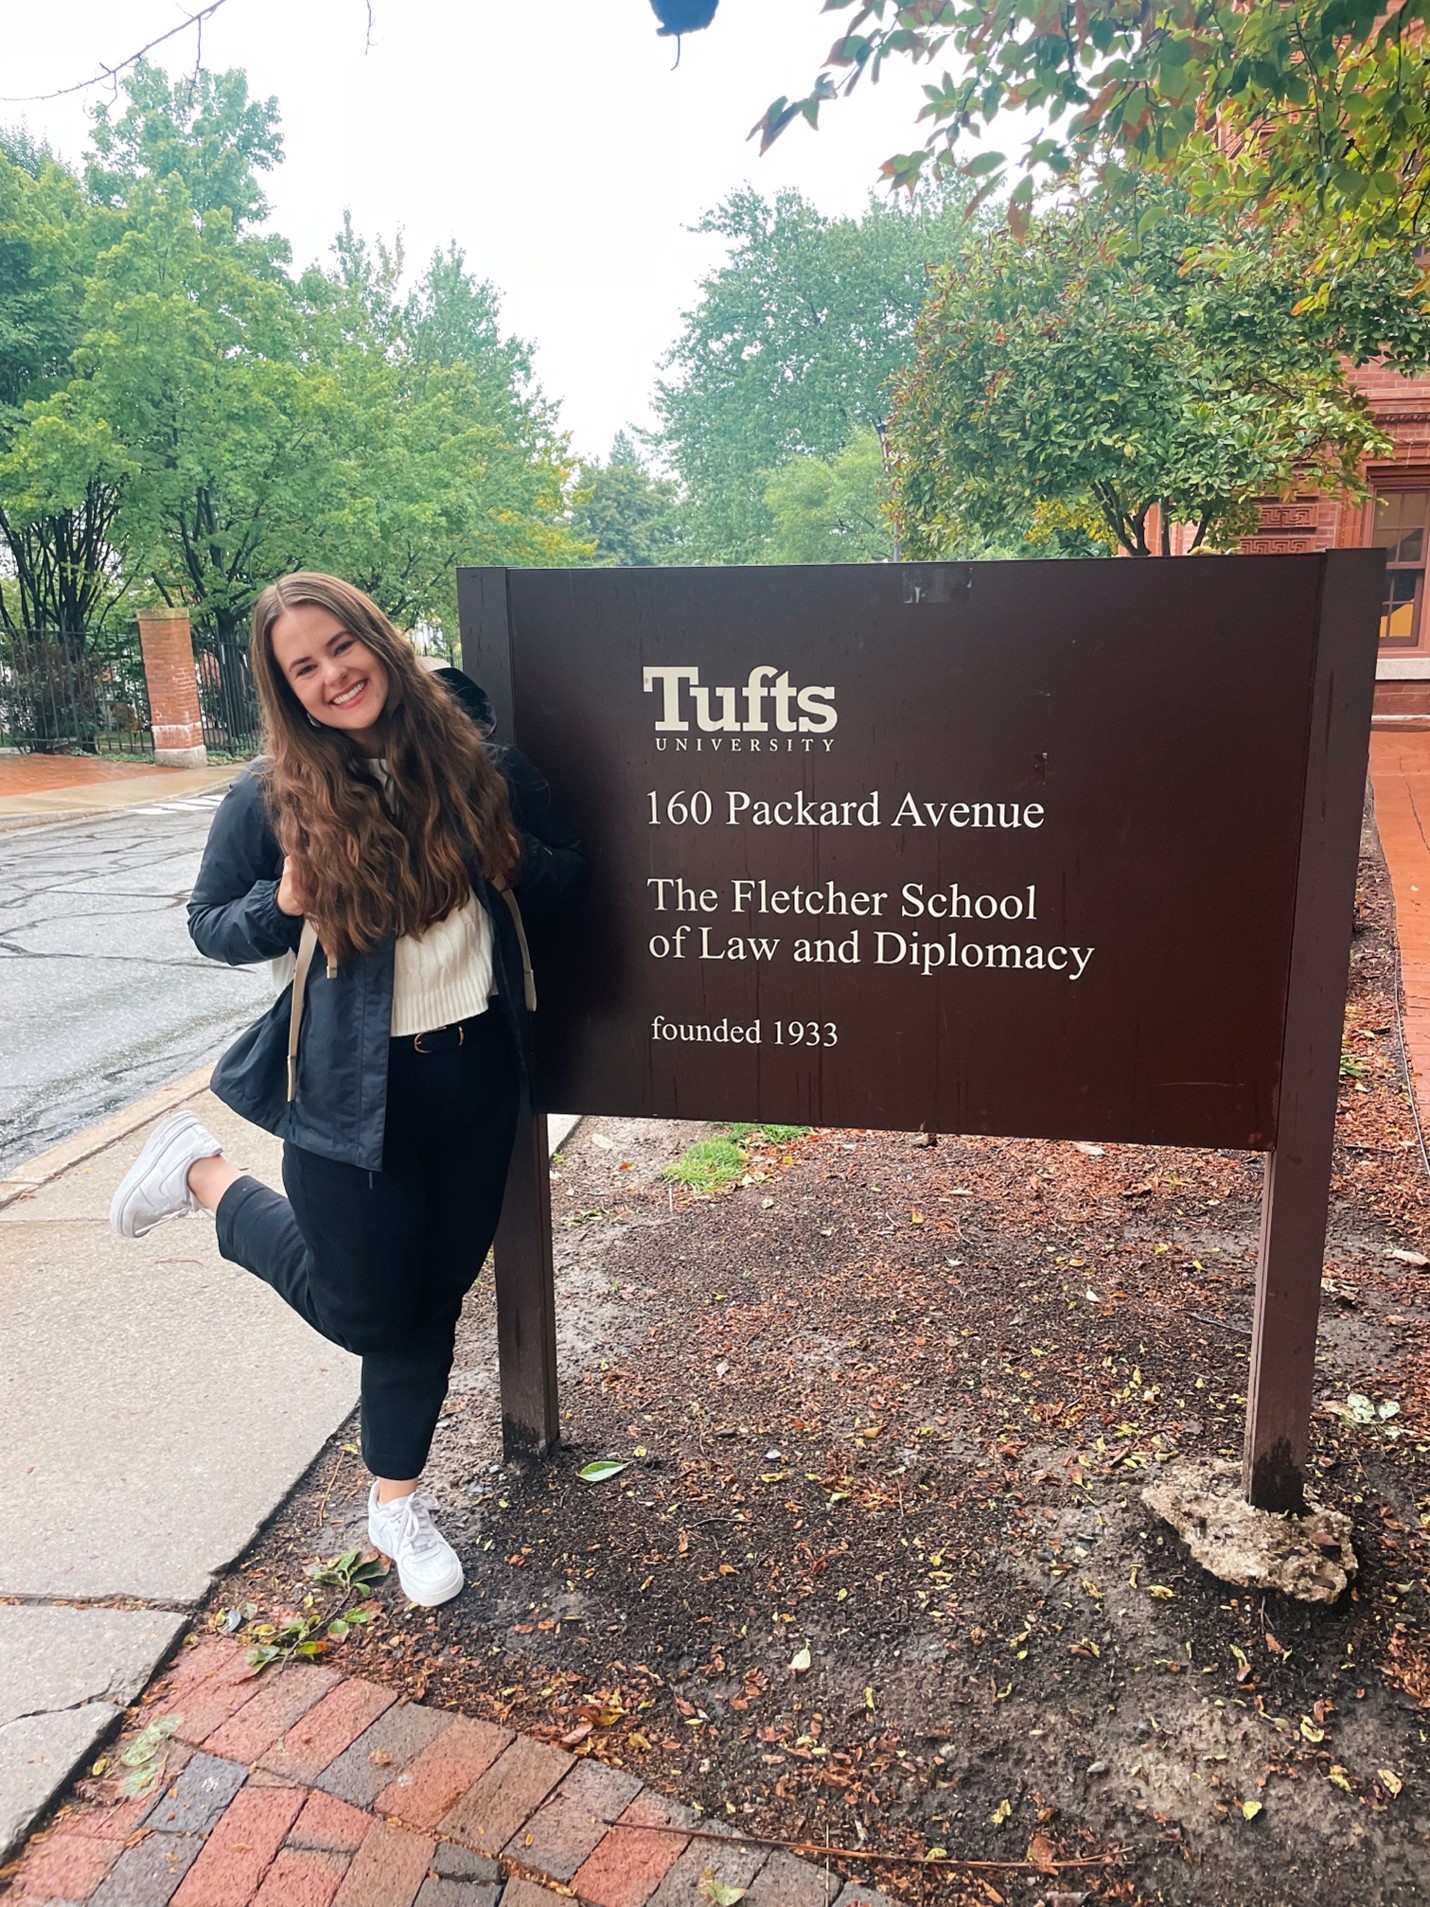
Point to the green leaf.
(147, 1743)
(719, 1893)
(601, 1470)
(139, 1781)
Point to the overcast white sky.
(550, 138)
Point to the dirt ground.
(878, 1575)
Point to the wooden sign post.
(1051, 850)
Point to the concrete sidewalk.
(156, 1406)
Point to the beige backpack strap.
(528, 978)
(307, 946)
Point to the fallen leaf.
(1000, 1813)
(1042, 1854)
(1416, 1258)
(800, 1661)
(147, 1743)
(719, 1893)
(576, 1735)
(1338, 1776)
(1389, 1780)
(602, 1470)
(1250, 1810)
(1159, 1590)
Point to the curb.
(46, 1166)
(25, 820)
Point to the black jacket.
(341, 1102)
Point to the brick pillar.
(173, 689)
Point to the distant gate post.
(174, 714)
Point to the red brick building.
(1398, 520)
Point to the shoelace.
(418, 1532)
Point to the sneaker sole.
(161, 1148)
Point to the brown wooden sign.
(1049, 849)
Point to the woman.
(380, 828)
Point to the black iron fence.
(228, 701)
(86, 692)
(67, 691)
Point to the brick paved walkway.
(306, 1788)
(32, 774)
(37, 788)
(1400, 776)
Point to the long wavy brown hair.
(367, 865)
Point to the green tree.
(623, 513)
(179, 416)
(446, 451)
(203, 130)
(1089, 375)
(1313, 110)
(200, 366)
(831, 509)
(61, 471)
(788, 350)
(70, 461)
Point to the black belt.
(442, 1039)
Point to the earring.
(313, 721)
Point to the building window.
(1402, 520)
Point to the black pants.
(380, 1262)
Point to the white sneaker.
(428, 1568)
(156, 1186)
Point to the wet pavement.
(103, 997)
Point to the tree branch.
(195, 20)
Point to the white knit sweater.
(437, 977)
(444, 974)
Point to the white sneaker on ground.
(428, 1568)
(156, 1186)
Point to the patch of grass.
(707, 1165)
(711, 1164)
(744, 1135)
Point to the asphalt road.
(103, 997)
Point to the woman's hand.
(289, 898)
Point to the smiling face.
(338, 679)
